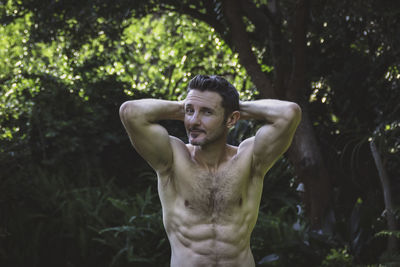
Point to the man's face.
(204, 117)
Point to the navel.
(240, 202)
(186, 203)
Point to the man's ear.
(232, 119)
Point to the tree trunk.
(304, 152)
(309, 166)
(387, 197)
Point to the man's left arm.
(275, 136)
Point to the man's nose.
(195, 118)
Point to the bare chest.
(213, 194)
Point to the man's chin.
(195, 142)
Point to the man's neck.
(211, 156)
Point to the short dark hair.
(214, 83)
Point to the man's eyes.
(205, 111)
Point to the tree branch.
(297, 84)
(210, 17)
(241, 42)
(268, 24)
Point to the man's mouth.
(196, 130)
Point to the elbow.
(296, 110)
(123, 110)
(293, 113)
(127, 110)
(296, 113)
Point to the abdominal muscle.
(197, 240)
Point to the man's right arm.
(150, 139)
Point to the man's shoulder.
(176, 141)
(179, 148)
(246, 145)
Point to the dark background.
(73, 191)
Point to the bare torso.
(210, 192)
(209, 214)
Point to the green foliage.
(338, 257)
(56, 216)
(282, 235)
(161, 54)
(66, 66)
(142, 221)
(388, 233)
(61, 138)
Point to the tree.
(67, 166)
(338, 60)
(270, 41)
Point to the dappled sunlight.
(74, 191)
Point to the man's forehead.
(206, 98)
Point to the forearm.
(269, 110)
(151, 110)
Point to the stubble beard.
(206, 140)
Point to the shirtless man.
(210, 191)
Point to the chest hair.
(215, 193)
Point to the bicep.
(150, 140)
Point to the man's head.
(214, 83)
(211, 108)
